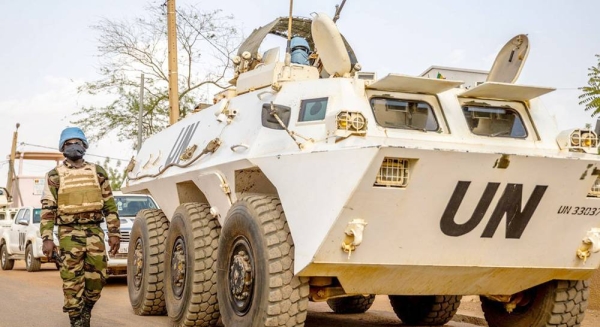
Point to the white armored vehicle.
(315, 182)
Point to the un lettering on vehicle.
(509, 205)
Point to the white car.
(21, 240)
(128, 207)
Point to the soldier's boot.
(86, 314)
(76, 321)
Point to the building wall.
(30, 189)
(471, 79)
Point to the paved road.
(35, 299)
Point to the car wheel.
(145, 263)
(555, 303)
(351, 304)
(429, 310)
(191, 266)
(256, 282)
(31, 262)
(6, 263)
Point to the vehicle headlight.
(584, 138)
(353, 122)
(578, 140)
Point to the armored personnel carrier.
(311, 181)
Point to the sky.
(48, 49)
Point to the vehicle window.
(404, 114)
(313, 109)
(494, 121)
(19, 215)
(128, 206)
(37, 217)
(26, 215)
(2, 216)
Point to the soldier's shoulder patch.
(53, 178)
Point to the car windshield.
(128, 206)
(494, 121)
(37, 216)
(404, 114)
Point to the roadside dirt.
(35, 299)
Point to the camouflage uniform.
(81, 238)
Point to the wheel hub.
(138, 264)
(178, 267)
(241, 276)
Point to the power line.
(88, 154)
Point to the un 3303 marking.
(578, 211)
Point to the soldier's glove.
(48, 247)
(115, 243)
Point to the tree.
(128, 48)
(591, 93)
(115, 175)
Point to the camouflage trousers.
(83, 270)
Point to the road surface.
(35, 299)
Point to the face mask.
(74, 152)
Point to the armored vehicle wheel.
(145, 263)
(31, 262)
(257, 286)
(430, 310)
(555, 303)
(6, 263)
(191, 266)
(351, 304)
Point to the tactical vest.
(79, 190)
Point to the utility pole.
(141, 114)
(11, 162)
(173, 77)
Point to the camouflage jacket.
(49, 215)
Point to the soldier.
(77, 196)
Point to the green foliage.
(128, 48)
(115, 175)
(591, 93)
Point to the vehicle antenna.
(338, 10)
(288, 51)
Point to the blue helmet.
(71, 133)
(300, 42)
(300, 50)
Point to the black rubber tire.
(351, 304)
(5, 262)
(31, 262)
(552, 304)
(256, 233)
(147, 241)
(194, 303)
(429, 310)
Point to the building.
(471, 77)
(27, 190)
